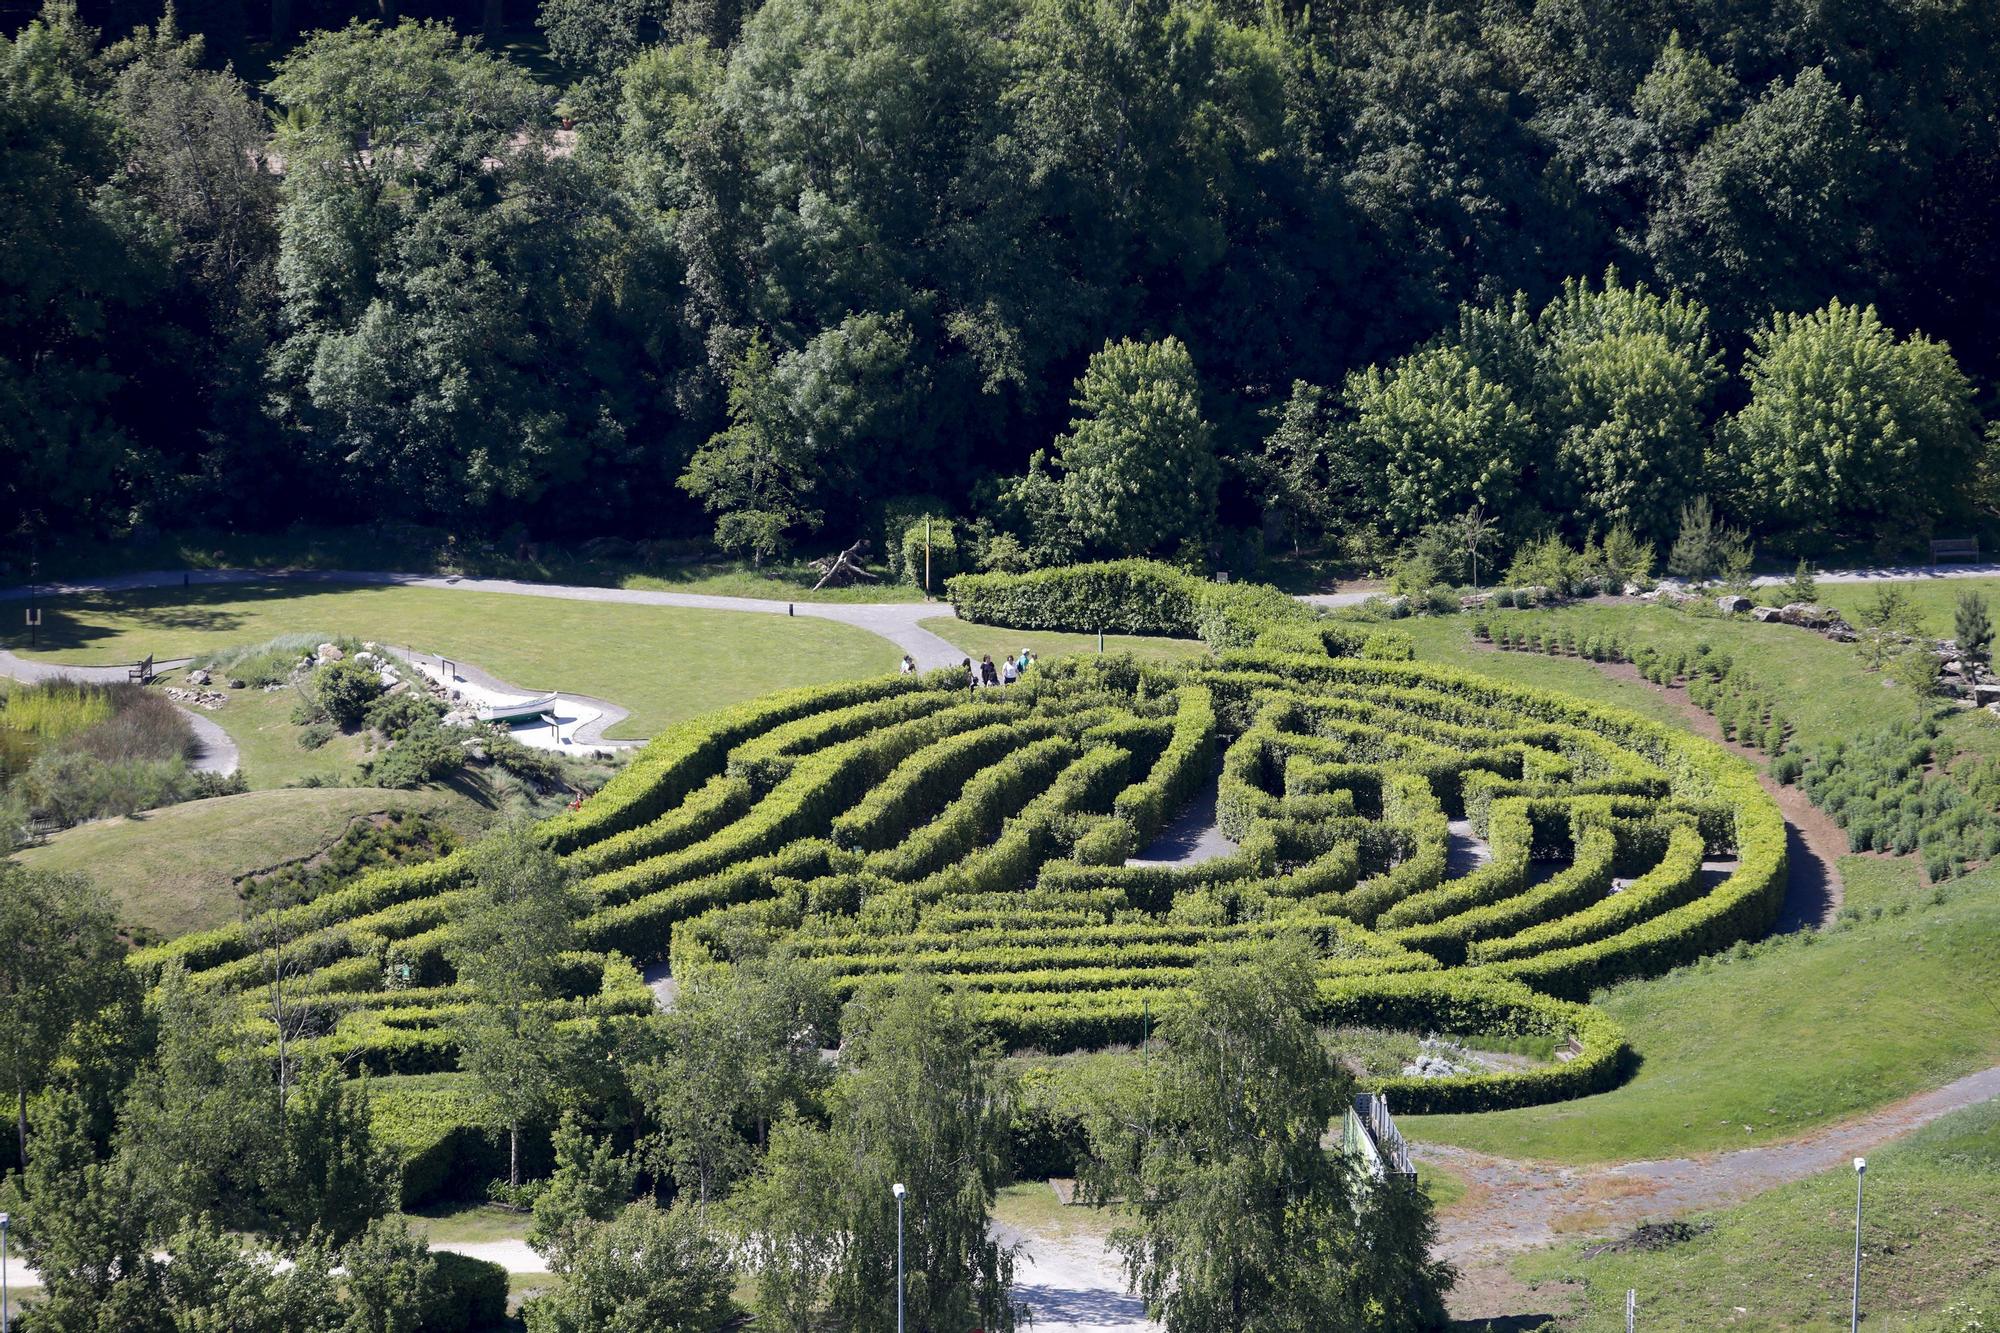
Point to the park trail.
(1513, 1205)
(214, 752)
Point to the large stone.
(1986, 692)
(330, 652)
(1475, 601)
(198, 677)
(1733, 603)
(1766, 613)
(1806, 615)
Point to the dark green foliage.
(345, 689)
(1378, 236)
(1972, 627)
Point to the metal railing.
(1372, 1118)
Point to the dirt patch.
(1488, 1298)
(1650, 1237)
(1513, 1205)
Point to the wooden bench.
(1955, 548)
(141, 673)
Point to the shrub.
(345, 689)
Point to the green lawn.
(1935, 600)
(977, 640)
(174, 869)
(260, 722)
(663, 663)
(1930, 1261)
(1803, 1031)
(469, 1223)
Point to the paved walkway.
(214, 752)
(894, 621)
(1194, 836)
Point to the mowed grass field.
(1784, 1260)
(662, 663)
(981, 640)
(1935, 600)
(174, 869)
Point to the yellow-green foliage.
(883, 825)
(54, 709)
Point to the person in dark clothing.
(987, 671)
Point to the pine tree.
(1973, 627)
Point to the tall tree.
(739, 1049)
(1136, 472)
(1851, 430)
(62, 963)
(506, 950)
(1442, 437)
(919, 1102)
(1972, 626)
(1243, 1223)
(438, 270)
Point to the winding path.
(214, 751)
(1516, 1205)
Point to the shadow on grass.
(1513, 1323)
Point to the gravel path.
(894, 621)
(214, 752)
(1194, 835)
(1073, 1284)
(1516, 1205)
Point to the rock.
(1986, 694)
(1843, 635)
(1634, 590)
(1733, 604)
(330, 653)
(198, 677)
(238, 683)
(1807, 615)
(1766, 614)
(1475, 601)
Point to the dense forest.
(1108, 276)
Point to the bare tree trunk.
(21, 1122)
(514, 1155)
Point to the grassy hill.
(175, 869)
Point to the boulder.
(198, 677)
(1475, 601)
(1733, 604)
(1986, 693)
(1766, 614)
(238, 683)
(330, 653)
(1806, 615)
(1842, 634)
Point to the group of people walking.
(983, 672)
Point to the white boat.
(518, 712)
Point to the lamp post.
(899, 1192)
(4, 1320)
(1860, 1175)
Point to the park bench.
(1954, 548)
(141, 673)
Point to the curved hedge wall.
(883, 825)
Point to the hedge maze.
(885, 825)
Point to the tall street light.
(1860, 1174)
(899, 1192)
(3, 1273)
